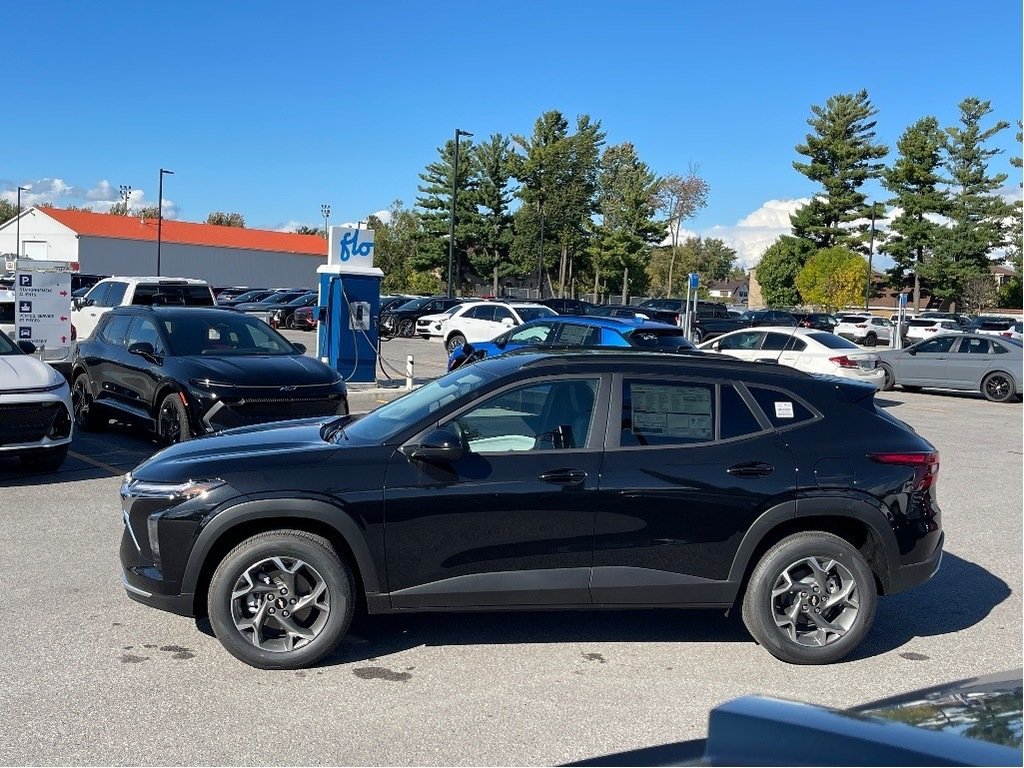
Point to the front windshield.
(383, 423)
(532, 313)
(223, 333)
(8, 347)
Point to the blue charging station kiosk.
(348, 304)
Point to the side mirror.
(911, 351)
(438, 445)
(300, 346)
(508, 322)
(27, 347)
(80, 302)
(717, 346)
(142, 349)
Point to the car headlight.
(180, 491)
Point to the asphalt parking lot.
(90, 677)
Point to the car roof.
(172, 309)
(155, 279)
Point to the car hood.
(25, 372)
(260, 370)
(283, 443)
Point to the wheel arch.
(855, 520)
(997, 372)
(231, 526)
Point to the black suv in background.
(185, 372)
(401, 320)
(584, 479)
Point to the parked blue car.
(576, 331)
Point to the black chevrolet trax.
(605, 479)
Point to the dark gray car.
(963, 361)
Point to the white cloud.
(752, 234)
(103, 192)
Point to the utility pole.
(17, 225)
(451, 223)
(325, 211)
(871, 253)
(160, 216)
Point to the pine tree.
(842, 155)
(915, 181)
(976, 211)
(494, 238)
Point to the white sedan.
(806, 349)
(35, 408)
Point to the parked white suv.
(925, 327)
(123, 291)
(864, 329)
(483, 320)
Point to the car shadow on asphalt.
(961, 595)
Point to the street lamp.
(126, 193)
(451, 224)
(325, 211)
(160, 217)
(871, 253)
(17, 226)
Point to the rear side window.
(577, 335)
(832, 341)
(115, 329)
(666, 413)
(173, 295)
(781, 408)
(736, 417)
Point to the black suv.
(184, 372)
(401, 320)
(583, 479)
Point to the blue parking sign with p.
(694, 280)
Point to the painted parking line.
(101, 465)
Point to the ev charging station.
(348, 304)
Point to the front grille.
(259, 410)
(27, 422)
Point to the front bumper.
(181, 604)
(35, 420)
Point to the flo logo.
(350, 246)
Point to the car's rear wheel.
(998, 387)
(44, 459)
(811, 599)
(290, 322)
(172, 421)
(890, 378)
(455, 341)
(870, 340)
(281, 600)
(406, 328)
(86, 418)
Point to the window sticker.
(784, 410)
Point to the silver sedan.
(963, 361)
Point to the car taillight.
(862, 325)
(844, 362)
(925, 464)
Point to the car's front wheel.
(86, 418)
(998, 387)
(406, 328)
(455, 341)
(281, 600)
(870, 340)
(811, 599)
(172, 421)
(890, 378)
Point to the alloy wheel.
(815, 601)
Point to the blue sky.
(271, 109)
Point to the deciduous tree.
(833, 278)
(777, 270)
(221, 219)
(679, 199)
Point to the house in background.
(736, 291)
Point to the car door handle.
(563, 476)
(751, 469)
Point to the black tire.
(172, 421)
(998, 387)
(249, 630)
(846, 575)
(83, 407)
(454, 341)
(890, 378)
(870, 340)
(289, 323)
(407, 328)
(44, 459)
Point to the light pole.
(871, 253)
(17, 225)
(325, 211)
(126, 193)
(160, 217)
(451, 224)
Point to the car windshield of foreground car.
(532, 313)
(667, 338)
(8, 347)
(384, 422)
(832, 341)
(223, 333)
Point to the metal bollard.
(408, 372)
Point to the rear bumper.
(905, 576)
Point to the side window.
(939, 345)
(116, 329)
(795, 344)
(666, 413)
(535, 334)
(482, 312)
(781, 408)
(502, 313)
(98, 294)
(115, 295)
(536, 417)
(736, 418)
(577, 335)
(775, 342)
(998, 348)
(975, 346)
(144, 329)
(742, 341)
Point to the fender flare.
(870, 513)
(282, 510)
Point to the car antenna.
(789, 339)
